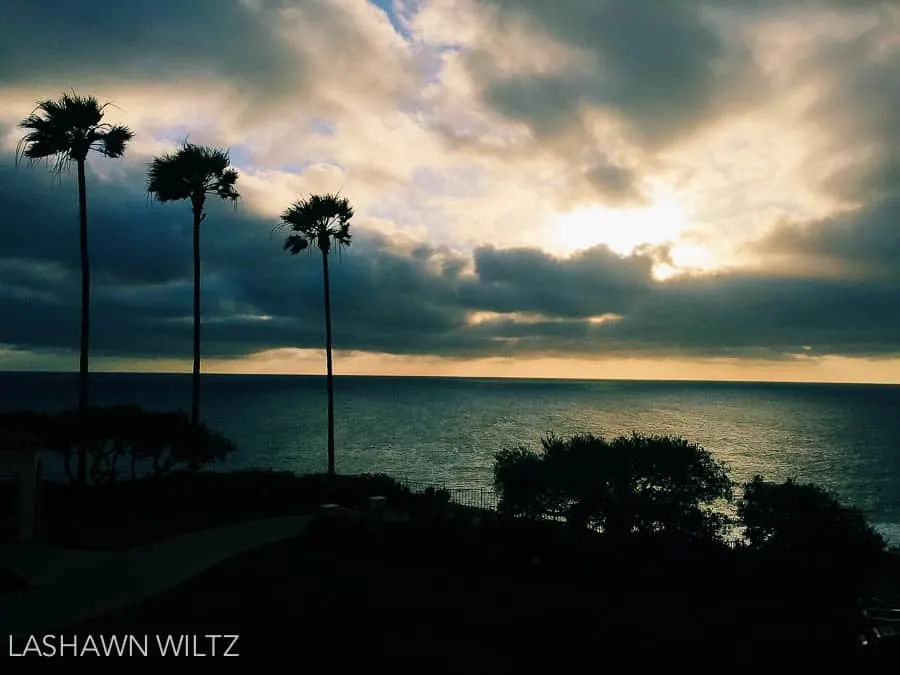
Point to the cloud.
(270, 51)
(659, 72)
(861, 94)
(589, 283)
(616, 185)
(399, 297)
(461, 130)
(861, 243)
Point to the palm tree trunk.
(85, 325)
(330, 375)
(195, 377)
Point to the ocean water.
(843, 437)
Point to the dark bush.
(11, 582)
(632, 485)
(797, 517)
(120, 437)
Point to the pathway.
(96, 583)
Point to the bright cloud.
(668, 154)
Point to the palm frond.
(46, 138)
(295, 243)
(83, 112)
(320, 220)
(192, 172)
(225, 186)
(165, 179)
(112, 141)
(66, 129)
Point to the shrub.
(806, 519)
(119, 437)
(632, 485)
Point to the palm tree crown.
(68, 129)
(319, 221)
(193, 172)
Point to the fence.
(55, 477)
(471, 497)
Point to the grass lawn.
(10, 583)
(400, 597)
(134, 512)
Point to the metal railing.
(471, 497)
(481, 498)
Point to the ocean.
(843, 437)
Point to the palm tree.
(67, 129)
(193, 172)
(320, 221)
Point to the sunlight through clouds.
(622, 230)
(510, 163)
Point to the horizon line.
(456, 377)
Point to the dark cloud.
(141, 39)
(547, 103)
(737, 314)
(590, 283)
(859, 83)
(258, 297)
(42, 233)
(726, 316)
(662, 69)
(273, 54)
(616, 186)
(753, 7)
(863, 242)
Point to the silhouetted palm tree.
(67, 129)
(193, 172)
(320, 221)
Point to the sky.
(689, 189)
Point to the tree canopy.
(192, 172)
(68, 128)
(631, 485)
(803, 517)
(318, 221)
(119, 437)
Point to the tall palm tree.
(67, 129)
(193, 172)
(321, 221)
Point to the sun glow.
(622, 230)
(626, 230)
(686, 259)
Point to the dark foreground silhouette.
(455, 586)
(426, 585)
(441, 595)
